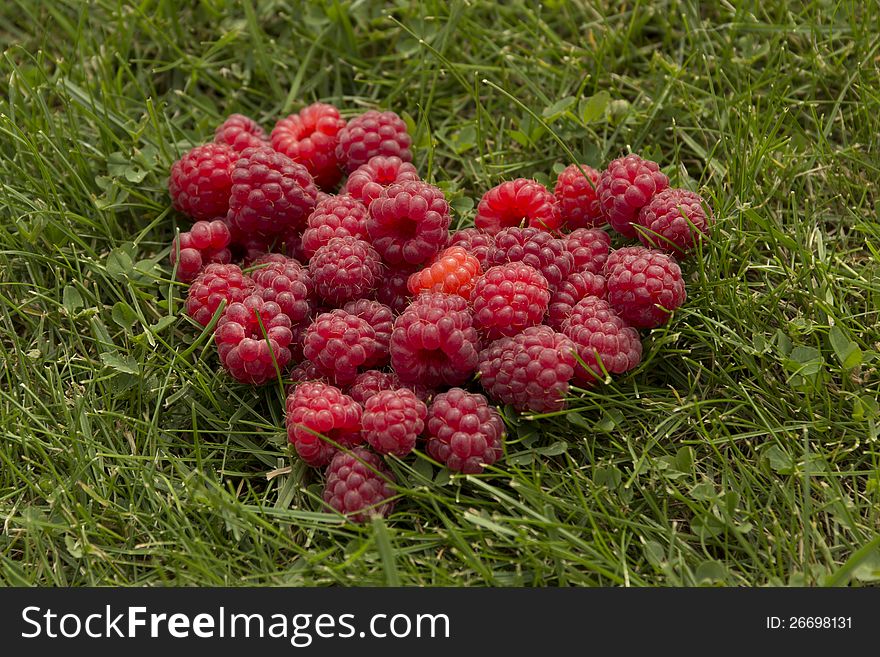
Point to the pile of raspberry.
(320, 260)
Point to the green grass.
(743, 451)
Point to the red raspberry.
(536, 248)
(453, 271)
(271, 194)
(393, 420)
(576, 196)
(370, 382)
(306, 371)
(380, 317)
(590, 248)
(627, 186)
(311, 138)
(409, 223)
(201, 181)
(252, 337)
(393, 290)
(434, 341)
(216, 284)
(315, 411)
(476, 242)
(514, 201)
(344, 269)
(574, 288)
(296, 343)
(336, 216)
(240, 132)
(338, 343)
(359, 485)
(370, 134)
(674, 221)
(463, 432)
(509, 298)
(367, 181)
(644, 286)
(205, 243)
(288, 284)
(529, 371)
(601, 334)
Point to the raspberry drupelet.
(453, 271)
(625, 187)
(644, 286)
(310, 137)
(589, 247)
(675, 221)
(600, 334)
(370, 134)
(393, 420)
(200, 183)
(530, 371)
(315, 411)
(252, 337)
(240, 132)
(338, 344)
(463, 431)
(509, 298)
(516, 201)
(345, 269)
(434, 341)
(359, 485)
(536, 248)
(271, 194)
(367, 181)
(574, 288)
(478, 243)
(289, 284)
(205, 243)
(409, 223)
(335, 216)
(218, 283)
(576, 196)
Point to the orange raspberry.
(454, 271)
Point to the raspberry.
(600, 333)
(463, 432)
(311, 138)
(674, 221)
(370, 134)
(217, 283)
(359, 485)
(201, 181)
(240, 132)
(205, 243)
(252, 336)
(288, 284)
(306, 371)
(368, 180)
(370, 382)
(453, 271)
(338, 343)
(529, 371)
(476, 242)
(336, 216)
(644, 286)
(393, 420)
(590, 247)
(434, 341)
(409, 223)
(536, 248)
(271, 193)
(573, 289)
(509, 298)
(576, 196)
(314, 411)
(511, 202)
(344, 269)
(625, 187)
(381, 319)
(296, 343)
(393, 290)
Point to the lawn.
(744, 449)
